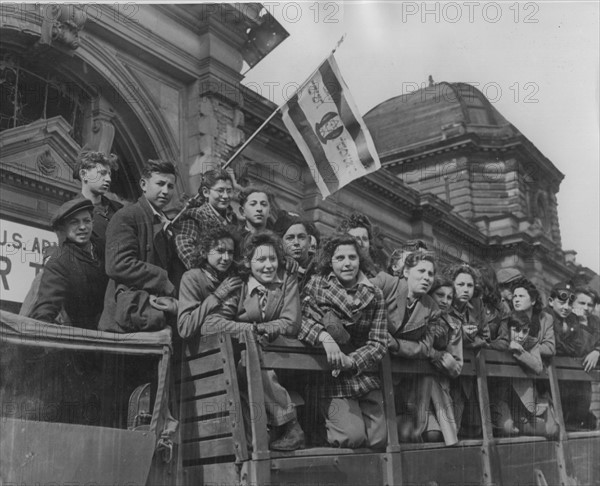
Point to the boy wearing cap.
(571, 340)
(507, 277)
(140, 257)
(74, 278)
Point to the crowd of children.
(268, 273)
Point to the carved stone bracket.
(101, 136)
(61, 25)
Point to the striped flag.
(329, 131)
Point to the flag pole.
(251, 137)
(270, 117)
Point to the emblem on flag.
(324, 121)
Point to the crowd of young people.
(268, 273)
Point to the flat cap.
(508, 275)
(70, 208)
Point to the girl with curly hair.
(526, 298)
(267, 304)
(212, 278)
(343, 312)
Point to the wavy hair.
(260, 238)
(209, 240)
(158, 166)
(534, 293)
(327, 249)
(87, 159)
(488, 290)
(246, 192)
(439, 282)
(356, 220)
(413, 259)
(454, 270)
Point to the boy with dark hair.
(94, 170)
(140, 258)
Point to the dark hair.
(313, 231)
(209, 239)
(246, 192)
(407, 247)
(488, 290)
(158, 166)
(586, 291)
(413, 259)
(439, 282)
(285, 221)
(87, 159)
(456, 269)
(211, 177)
(356, 220)
(534, 293)
(253, 241)
(327, 249)
(519, 320)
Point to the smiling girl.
(343, 312)
(267, 304)
(216, 189)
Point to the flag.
(323, 120)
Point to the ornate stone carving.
(61, 25)
(46, 164)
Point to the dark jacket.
(103, 213)
(72, 279)
(569, 338)
(139, 256)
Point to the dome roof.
(434, 113)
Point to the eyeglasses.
(222, 191)
(564, 295)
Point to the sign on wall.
(21, 257)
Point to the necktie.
(262, 300)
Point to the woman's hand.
(335, 357)
(591, 360)
(227, 287)
(470, 330)
(393, 344)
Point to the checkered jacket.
(192, 224)
(364, 316)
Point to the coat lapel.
(159, 238)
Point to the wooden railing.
(213, 436)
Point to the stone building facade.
(164, 81)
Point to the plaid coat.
(364, 317)
(193, 223)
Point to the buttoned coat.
(137, 256)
